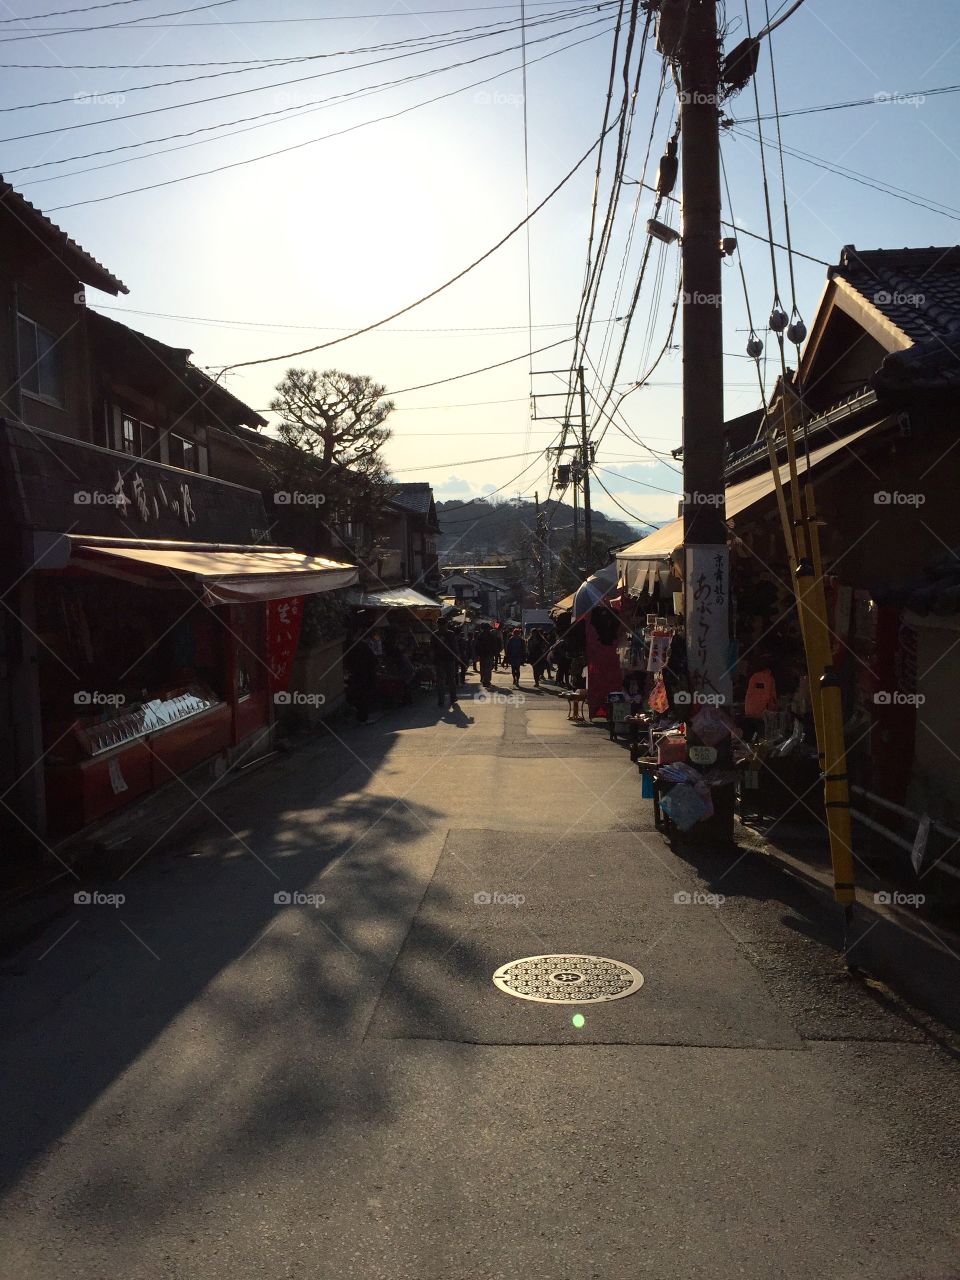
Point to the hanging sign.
(707, 597)
(284, 619)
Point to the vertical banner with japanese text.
(284, 618)
(707, 597)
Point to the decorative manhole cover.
(568, 979)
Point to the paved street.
(203, 1081)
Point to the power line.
(877, 100)
(60, 13)
(875, 184)
(742, 231)
(632, 514)
(486, 368)
(469, 462)
(297, 146)
(225, 323)
(114, 26)
(644, 484)
(146, 23)
(290, 355)
(282, 84)
(420, 44)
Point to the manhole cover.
(568, 979)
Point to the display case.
(104, 764)
(143, 718)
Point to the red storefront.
(156, 625)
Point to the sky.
(268, 256)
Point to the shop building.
(149, 619)
(877, 432)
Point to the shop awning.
(396, 598)
(636, 562)
(228, 574)
(564, 605)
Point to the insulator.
(754, 347)
(796, 330)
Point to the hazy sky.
(295, 249)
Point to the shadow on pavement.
(216, 1007)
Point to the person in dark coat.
(446, 658)
(516, 654)
(360, 668)
(537, 654)
(488, 651)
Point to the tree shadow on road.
(176, 1040)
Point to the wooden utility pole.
(541, 552)
(706, 558)
(585, 462)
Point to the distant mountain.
(491, 528)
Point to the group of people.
(454, 650)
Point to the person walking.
(445, 663)
(360, 667)
(488, 649)
(516, 654)
(537, 654)
(561, 655)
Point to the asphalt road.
(210, 1078)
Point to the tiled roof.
(80, 263)
(177, 359)
(414, 496)
(917, 289)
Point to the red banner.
(284, 618)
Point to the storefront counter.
(113, 762)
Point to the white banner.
(707, 609)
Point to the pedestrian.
(463, 654)
(445, 661)
(488, 650)
(562, 657)
(360, 668)
(537, 654)
(516, 654)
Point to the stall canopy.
(396, 598)
(227, 574)
(638, 563)
(564, 605)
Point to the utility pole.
(690, 34)
(541, 552)
(585, 458)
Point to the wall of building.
(36, 285)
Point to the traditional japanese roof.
(414, 496)
(81, 264)
(177, 360)
(918, 291)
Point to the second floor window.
(40, 369)
(182, 452)
(138, 438)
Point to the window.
(137, 438)
(40, 370)
(182, 452)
